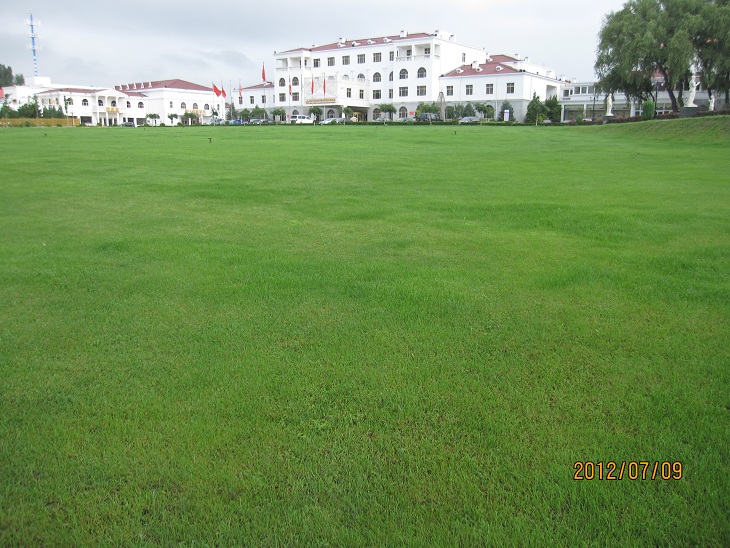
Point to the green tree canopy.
(6, 76)
(670, 38)
(536, 110)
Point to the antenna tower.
(33, 35)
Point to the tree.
(316, 111)
(647, 37)
(536, 110)
(231, 113)
(172, 116)
(30, 109)
(712, 46)
(427, 108)
(280, 112)
(191, 118)
(553, 110)
(258, 112)
(347, 111)
(487, 111)
(388, 108)
(6, 76)
(19, 80)
(454, 112)
(469, 110)
(153, 116)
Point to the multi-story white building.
(122, 104)
(405, 70)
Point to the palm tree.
(388, 108)
(153, 116)
(316, 111)
(172, 117)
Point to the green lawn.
(364, 335)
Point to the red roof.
(258, 86)
(495, 66)
(161, 84)
(363, 42)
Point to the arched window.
(114, 103)
(403, 75)
(282, 83)
(361, 76)
(390, 77)
(402, 112)
(140, 105)
(182, 105)
(295, 81)
(377, 77)
(195, 106)
(84, 102)
(70, 102)
(101, 103)
(421, 72)
(345, 77)
(206, 106)
(295, 113)
(330, 113)
(129, 105)
(376, 114)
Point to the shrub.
(647, 110)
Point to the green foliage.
(664, 36)
(30, 109)
(258, 112)
(172, 116)
(536, 111)
(486, 110)
(231, 113)
(6, 76)
(52, 112)
(280, 112)
(316, 111)
(553, 109)
(385, 108)
(647, 110)
(455, 111)
(469, 110)
(19, 80)
(424, 108)
(6, 111)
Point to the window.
(376, 113)
(402, 112)
(240, 100)
(390, 77)
(403, 74)
(129, 105)
(316, 63)
(195, 106)
(449, 90)
(390, 94)
(361, 76)
(140, 105)
(463, 57)
(345, 77)
(263, 99)
(345, 59)
(362, 94)
(376, 94)
(84, 102)
(469, 89)
(392, 55)
(377, 57)
(408, 53)
(206, 106)
(361, 59)
(427, 51)
(101, 103)
(182, 105)
(295, 96)
(403, 92)
(114, 103)
(421, 72)
(490, 89)
(170, 104)
(251, 99)
(377, 77)
(567, 93)
(282, 82)
(70, 102)
(330, 61)
(349, 92)
(421, 91)
(510, 87)
(282, 97)
(295, 81)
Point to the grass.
(363, 335)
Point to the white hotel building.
(405, 70)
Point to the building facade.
(404, 70)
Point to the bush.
(647, 110)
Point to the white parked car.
(301, 119)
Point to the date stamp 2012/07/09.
(633, 470)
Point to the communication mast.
(33, 35)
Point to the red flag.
(263, 71)
(324, 84)
(223, 91)
(240, 89)
(217, 91)
(312, 85)
(289, 85)
(2, 93)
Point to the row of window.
(360, 58)
(377, 77)
(489, 89)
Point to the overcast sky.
(109, 43)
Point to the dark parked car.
(428, 117)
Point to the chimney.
(475, 65)
(404, 34)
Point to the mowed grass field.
(365, 335)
